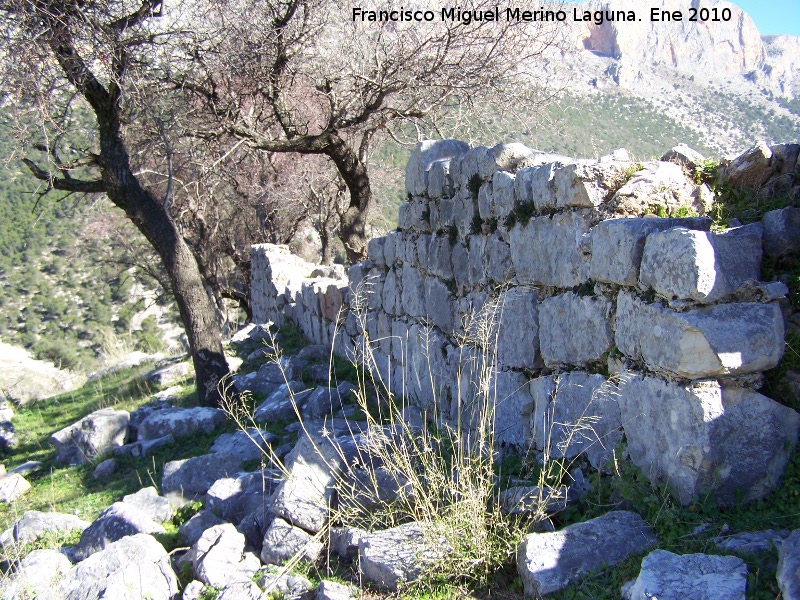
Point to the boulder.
(240, 590)
(305, 497)
(283, 541)
(116, 522)
(283, 403)
(189, 479)
(132, 568)
(789, 566)
(684, 155)
(782, 231)
(291, 586)
(91, 437)
(180, 422)
(548, 562)
(12, 486)
(752, 168)
(193, 529)
(233, 498)
(560, 317)
(726, 339)
(669, 576)
(169, 375)
(144, 448)
(343, 541)
(218, 557)
(34, 524)
(105, 469)
(37, 576)
(150, 503)
(751, 542)
(424, 156)
(332, 590)
(706, 438)
(395, 556)
(194, 590)
(321, 402)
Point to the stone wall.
(554, 276)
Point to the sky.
(773, 17)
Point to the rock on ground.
(12, 486)
(668, 576)
(751, 542)
(193, 529)
(548, 562)
(93, 435)
(331, 590)
(218, 557)
(188, 479)
(37, 576)
(180, 422)
(34, 524)
(282, 541)
(149, 502)
(789, 567)
(132, 568)
(240, 590)
(116, 522)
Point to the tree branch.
(67, 185)
(145, 11)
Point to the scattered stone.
(789, 566)
(395, 556)
(331, 590)
(193, 590)
(782, 231)
(290, 586)
(116, 522)
(732, 442)
(751, 542)
(91, 437)
(532, 500)
(282, 541)
(190, 479)
(283, 403)
(240, 590)
(668, 576)
(136, 566)
(684, 155)
(169, 375)
(30, 466)
(233, 498)
(305, 497)
(12, 486)
(105, 469)
(8, 436)
(193, 529)
(548, 562)
(250, 444)
(751, 169)
(37, 576)
(323, 401)
(149, 502)
(344, 541)
(218, 557)
(34, 524)
(145, 448)
(180, 422)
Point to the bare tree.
(311, 77)
(73, 63)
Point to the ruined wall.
(656, 328)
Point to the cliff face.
(718, 48)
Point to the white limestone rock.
(282, 541)
(116, 522)
(518, 333)
(438, 304)
(34, 524)
(190, 478)
(752, 168)
(12, 487)
(726, 339)
(705, 438)
(150, 503)
(37, 575)
(684, 155)
(782, 231)
(513, 406)
(218, 557)
(549, 562)
(561, 317)
(789, 566)
(423, 158)
(669, 576)
(412, 292)
(657, 185)
(92, 436)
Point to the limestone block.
(669, 576)
(413, 292)
(701, 266)
(618, 244)
(562, 317)
(91, 436)
(658, 184)
(789, 566)
(548, 251)
(375, 251)
(218, 557)
(438, 305)
(485, 201)
(782, 231)
(465, 210)
(534, 185)
(751, 169)
(440, 183)
(356, 275)
(37, 575)
(426, 373)
(587, 183)
(374, 290)
(417, 215)
(503, 197)
(477, 257)
(461, 265)
(440, 252)
(705, 438)
(513, 406)
(442, 214)
(576, 413)
(726, 339)
(390, 247)
(116, 522)
(475, 165)
(684, 155)
(548, 562)
(424, 156)
(508, 157)
(421, 246)
(518, 334)
(390, 295)
(283, 540)
(498, 268)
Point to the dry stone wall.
(604, 324)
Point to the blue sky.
(773, 16)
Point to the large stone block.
(550, 250)
(789, 566)
(701, 266)
(440, 252)
(576, 413)
(503, 196)
(752, 169)
(726, 339)
(535, 185)
(438, 304)
(587, 183)
(440, 183)
(618, 244)
(782, 231)
(426, 371)
(574, 330)
(390, 294)
(497, 268)
(548, 562)
(92, 436)
(658, 185)
(513, 406)
(518, 333)
(705, 438)
(413, 292)
(424, 156)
